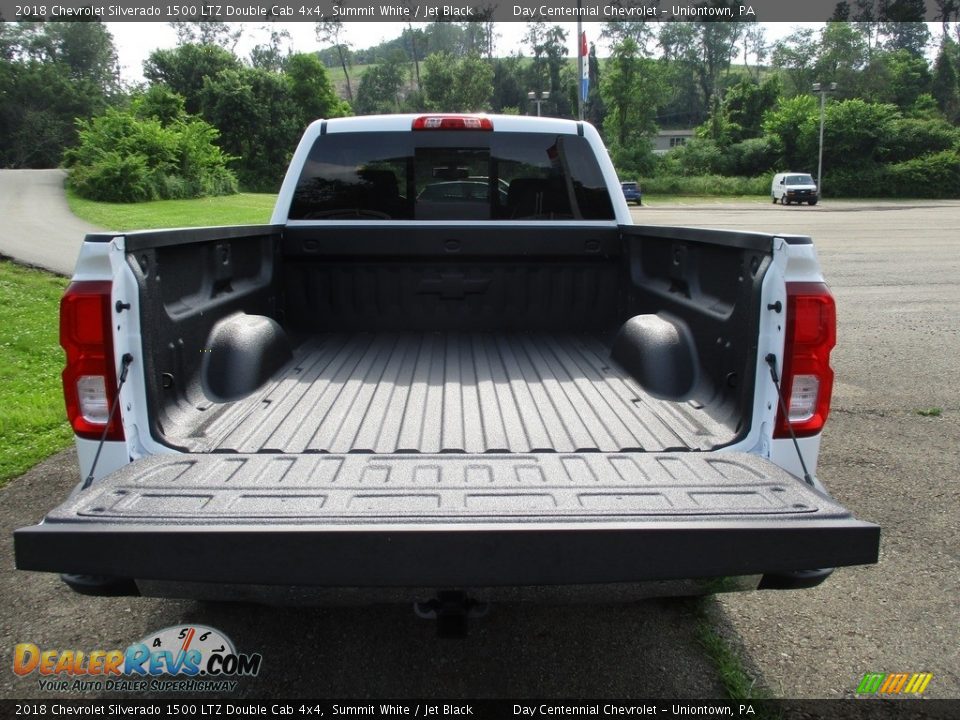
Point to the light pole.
(822, 89)
(538, 97)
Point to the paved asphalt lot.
(36, 225)
(895, 271)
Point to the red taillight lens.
(89, 379)
(452, 122)
(807, 379)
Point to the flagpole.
(580, 59)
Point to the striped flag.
(585, 77)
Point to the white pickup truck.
(450, 364)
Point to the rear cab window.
(451, 175)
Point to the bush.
(633, 161)
(706, 185)
(133, 156)
(933, 176)
(936, 175)
(700, 156)
(918, 137)
(113, 177)
(863, 180)
(751, 158)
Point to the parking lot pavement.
(38, 227)
(895, 271)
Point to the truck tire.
(783, 200)
(812, 202)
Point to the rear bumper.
(457, 521)
(428, 556)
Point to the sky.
(135, 41)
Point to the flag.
(585, 77)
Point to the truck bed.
(450, 392)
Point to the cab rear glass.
(442, 175)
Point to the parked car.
(631, 192)
(794, 187)
(375, 395)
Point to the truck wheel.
(813, 202)
(774, 198)
(783, 200)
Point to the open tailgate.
(446, 520)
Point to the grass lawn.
(240, 209)
(33, 422)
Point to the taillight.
(90, 378)
(807, 379)
(452, 122)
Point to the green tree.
(272, 54)
(616, 31)
(944, 86)
(792, 131)
(86, 48)
(858, 130)
(50, 74)
(684, 107)
(508, 91)
(745, 103)
(842, 55)
(160, 103)
(755, 44)
(184, 68)
(311, 89)
(444, 36)
(796, 55)
(208, 32)
(857, 134)
(457, 85)
(535, 38)
(706, 49)
(330, 31)
(477, 35)
(258, 121)
(631, 89)
(380, 88)
(410, 35)
(902, 21)
(897, 77)
(548, 45)
(439, 79)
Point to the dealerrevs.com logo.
(182, 658)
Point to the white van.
(790, 187)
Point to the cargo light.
(89, 378)
(452, 122)
(807, 378)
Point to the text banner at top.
(436, 10)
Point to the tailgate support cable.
(772, 362)
(125, 362)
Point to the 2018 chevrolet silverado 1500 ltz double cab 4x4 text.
(450, 363)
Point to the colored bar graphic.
(871, 683)
(894, 683)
